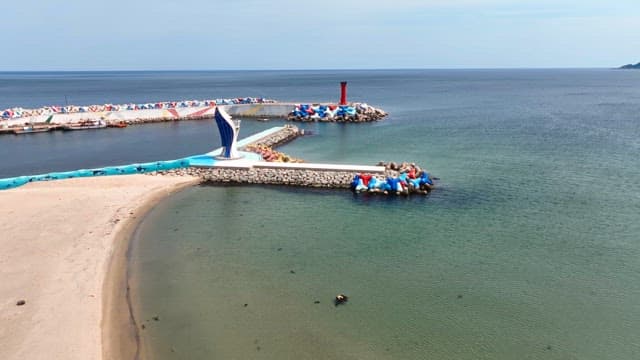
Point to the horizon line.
(310, 69)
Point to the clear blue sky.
(328, 34)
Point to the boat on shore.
(86, 125)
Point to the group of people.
(408, 182)
(50, 110)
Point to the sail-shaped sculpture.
(228, 134)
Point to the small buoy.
(341, 299)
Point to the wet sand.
(63, 251)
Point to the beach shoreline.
(63, 252)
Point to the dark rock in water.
(245, 305)
(156, 318)
(293, 272)
(317, 302)
(21, 302)
(459, 296)
(143, 326)
(279, 249)
(340, 299)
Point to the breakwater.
(384, 178)
(286, 134)
(375, 181)
(356, 113)
(331, 179)
(44, 120)
(46, 111)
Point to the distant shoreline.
(630, 67)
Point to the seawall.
(315, 178)
(141, 116)
(266, 110)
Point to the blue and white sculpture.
(229, 130)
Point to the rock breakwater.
(286, 134)
(271, 176)
(264, 146)
(354, 113)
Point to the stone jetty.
(353, 113)
(384, 178)
(54, 118)
(286, 134)
(313, 178)
(272, 176)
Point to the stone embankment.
(354, 113)
(391, 178)
(264, 147)
(286, 134)
(273, 176)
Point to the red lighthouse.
(343, 93)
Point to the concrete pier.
(313, 175)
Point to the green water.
(528, 248)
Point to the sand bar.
(56, 245)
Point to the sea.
(528, 248)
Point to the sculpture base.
(221, 157)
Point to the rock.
(340, 299)
(21, 302)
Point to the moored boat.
(85, 125)
(28, 129)
(119, 124)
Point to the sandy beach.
(63, 251)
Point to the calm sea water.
(528, 248)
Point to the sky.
(70, 35)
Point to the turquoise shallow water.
(527, 249)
